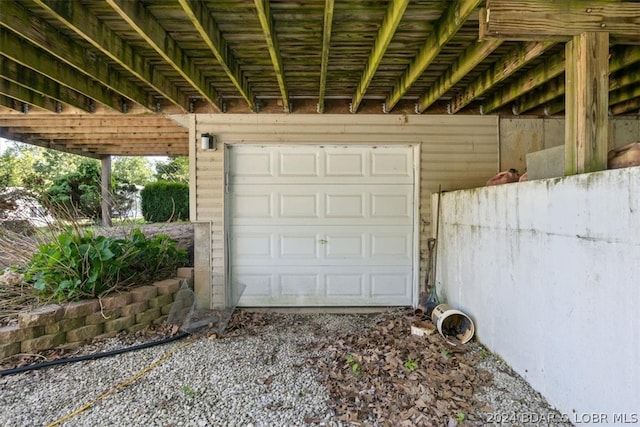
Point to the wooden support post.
(105, 189)
(587, 90)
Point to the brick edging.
(73, 324)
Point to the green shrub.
(165, 201)
(76, 266)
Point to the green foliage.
(355, 366)
(132, 170)
(78, 191)
(76, 266)
(165, 201)
(460, 416)
(176, 169)
(410, 364)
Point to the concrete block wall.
(73, 324)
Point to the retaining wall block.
(160, 300)
(64, 325)
(44, 342)
(115, 301)
(168, 286)
(102, 316)
(81, 308)
(84, 333)
(185, 273)
(143, 293)
(166, 309)
(133, 309)
(13, 333)
(119, 324)
(40, 316)
(160, 320)
(9, 349)
(148, 316)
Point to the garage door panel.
(322, 225)
(325, 286)
(296, 204)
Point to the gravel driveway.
(273, 369)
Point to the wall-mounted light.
(208, 141)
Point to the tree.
(132, 170)
(176, 169)
(78, 192)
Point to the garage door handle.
(322, 241)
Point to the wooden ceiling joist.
(27, 96)
(526, 82)
(454, 16)
(29, 56)
(139, 18)
(392, 17)
(49, 39)
(29, 78)
(558, 20)
(28, 139)
(80, 20)
(266, 21)
(212, 36)
(502, 69)
(465, 63)
(629, 107)
(326, 44)
(619, 60)
(133, 122)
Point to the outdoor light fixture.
(208, 141)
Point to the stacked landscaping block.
(73, 324)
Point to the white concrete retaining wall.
(550, 272)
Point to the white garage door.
(321, 225)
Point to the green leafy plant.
(484, 354)
(446, 354)
(77, 264)
(355, 366)
(461, 416)
(410, 364)
(165, 201)
(188, 391)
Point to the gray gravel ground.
(260, 378)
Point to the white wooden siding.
(456, 152)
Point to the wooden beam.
(586, 118)
(42, 85)
(552, 90)
(147, 27)
(28, 139)
(50, 39)
(466, 62)
(503, 68)
(88, 121)
(206, 26)
(454, 16)
(22, 94)
(27, 55)
(102, 135)
(390, 22)
(632, 106)
(105, 190)
(326, 43)
(80, 20)
(266, 21)
(558, 20)
(544, 72)
(10, 103)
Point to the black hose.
(91, 356)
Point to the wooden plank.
(392, 18)
(544, 72)
(212, 36)
(16, 49)
(51, 40)
(27, 96)
(466, 62)
(557, 20)
(266, 21)
(326, 44)
(586, 139)
(80, 20)
(552, 90)
(632, 107)
(137, 16)
(503, 68)
(454, 16)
